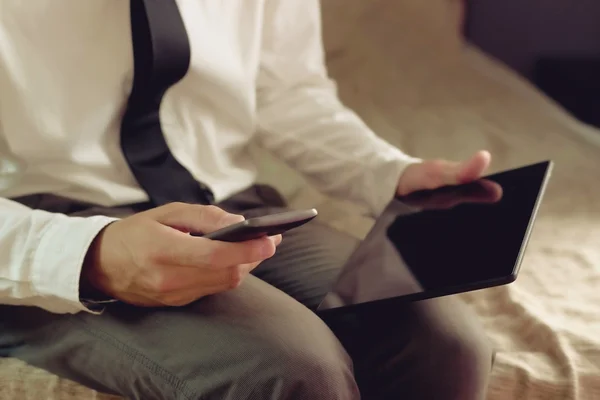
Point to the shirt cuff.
(58, 259)
(385, 173)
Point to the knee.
(317, 371)
(467, 358)
(297, 360)
(277, 368)
(471, 352)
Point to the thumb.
(454, 173)
(473, 168)
(443, 173)
(194, 217)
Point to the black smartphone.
(268, 225)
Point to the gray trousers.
(262, 340)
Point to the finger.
(179, 299)
(194, 217)
(481, 191)
(196, 294)
(277, 239)
(493, 191)
(235, 277)
(447, 201)
(182, 298)
(189, 251)
(199, 285)
(223, 254)
(173, 279)
(438, 173)
(473, 168)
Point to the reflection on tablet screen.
(449, 237)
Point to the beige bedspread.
(404, 67)
(401, 64)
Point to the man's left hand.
(432, 174)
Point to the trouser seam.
(168, 377)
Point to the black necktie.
(161, 53)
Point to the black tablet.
(444, 241)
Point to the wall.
(518, 31)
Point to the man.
(107, 113)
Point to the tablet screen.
(449, 240)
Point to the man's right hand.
(149, 259)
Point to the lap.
(434, 339)
(239, 344)
(244, 340)
(248, 338)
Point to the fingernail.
(233, 219)
(237, 217)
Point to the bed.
(403, 66)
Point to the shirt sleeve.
(41, 255)
(302, 120)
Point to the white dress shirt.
(257, 74)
